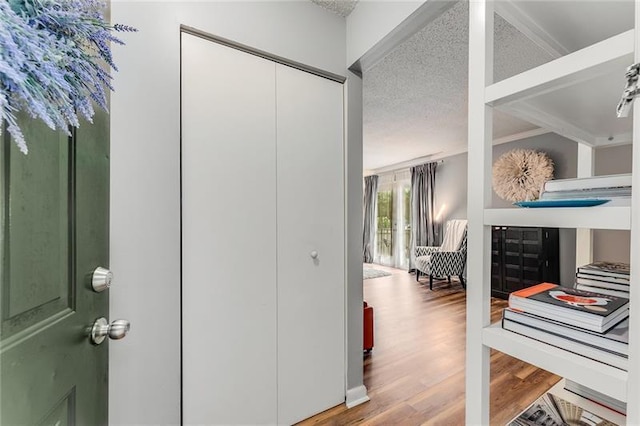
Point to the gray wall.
(145, 176)
(612, 245)
(451, 187)
(353, 158)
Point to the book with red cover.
(591, 311)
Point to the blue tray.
(582, 202)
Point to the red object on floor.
(368, 327)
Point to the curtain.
(369, 232)
(423, 225)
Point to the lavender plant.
(54, 57)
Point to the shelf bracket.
(631, 90)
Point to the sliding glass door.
(405, 228)
(393, 232)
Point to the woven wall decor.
(519, 174)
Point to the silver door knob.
(116, 330)
(101, 279)
(314, 254)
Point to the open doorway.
(415, 113)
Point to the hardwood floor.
(415, 373)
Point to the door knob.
(116, 330)
(101, 279)
(314, 254)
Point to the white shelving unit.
(575, 96)
(595, 375)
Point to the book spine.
(599, 340)
(605, 291)
(602, 284)
(555, 338)
(600, 272)
(604, 278)
(564, 195)
(567, 344)
(597, 397)
(596, 182)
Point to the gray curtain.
(423, 226)
(370, 206)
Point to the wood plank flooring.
(415, 373)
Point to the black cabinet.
(522, 257)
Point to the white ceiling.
(415, 99)
(340, 7)
(578, 24)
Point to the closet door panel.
(311, 354)
(228, 235)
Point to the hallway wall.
(145, 164)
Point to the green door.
(54, 232)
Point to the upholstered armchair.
(447, 260)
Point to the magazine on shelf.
(542, 412)
(607, 269)
(593, 182)
(587, 351)
(594, 279)
(553, 410)
(588, 310)
(605, 291)
(615, 340)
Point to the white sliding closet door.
(228, 235)
(311, 355)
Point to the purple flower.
(54, 61)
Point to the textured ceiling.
(415, 99)
(596, 20)
(341, 7)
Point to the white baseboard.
(356, 396)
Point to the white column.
(633, 381)
(480, 139)
(584, 237)
(355, 389)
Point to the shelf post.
(584, 236)
(480, 139)
(633, 380)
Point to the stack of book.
(589, 324)
(611, 187)
(610, 278)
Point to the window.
(393, 228)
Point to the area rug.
(368, 273)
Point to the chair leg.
(449, 279)
(418, 275)
(464, 286)
(430, 282)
